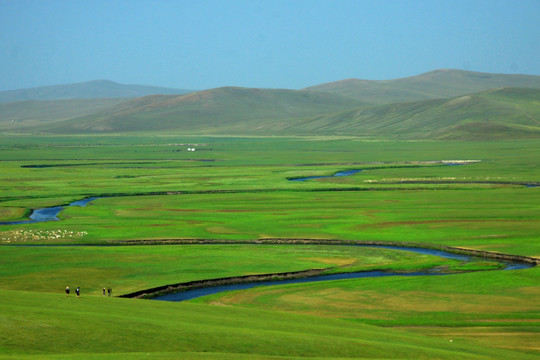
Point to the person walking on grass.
(67, 290)
(103, 291)
(78, 291)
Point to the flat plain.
(151, 190)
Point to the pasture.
(237, 190)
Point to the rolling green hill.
(442, 104)
(21, 114)
(507, 113)
(89, 89)
(221, 110)
(431, 85)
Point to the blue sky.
(202, 44)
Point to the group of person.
(78, 291)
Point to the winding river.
(51, 213)
(191, 290)
(338, 174)
(195, 289)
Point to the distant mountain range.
(229, 109)
(438, 84)
(504, 113)
(442, 104)
(85, 90)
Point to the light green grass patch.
(57, 325)
(131, 268)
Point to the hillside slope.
(89, 89)
(23, 114)
(431, 85)
(507, 113)
(221, 110)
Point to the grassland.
(131, 268)
(486, 308)
(236, 189)
(92, 327)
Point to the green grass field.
(236, 189)
(131, 268)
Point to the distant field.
(237, 189)
(486, 219)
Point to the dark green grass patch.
(131, 268)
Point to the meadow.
(237, 189)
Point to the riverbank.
(456, 250)
(275, 278)
(168, 289)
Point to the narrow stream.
(198, 292)
(51, 213)
(338, 174)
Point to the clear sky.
(202, 44)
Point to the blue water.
(340, 173)
(48, 214)
(195, 293)
(352, 172)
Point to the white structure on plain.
(190, 149)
